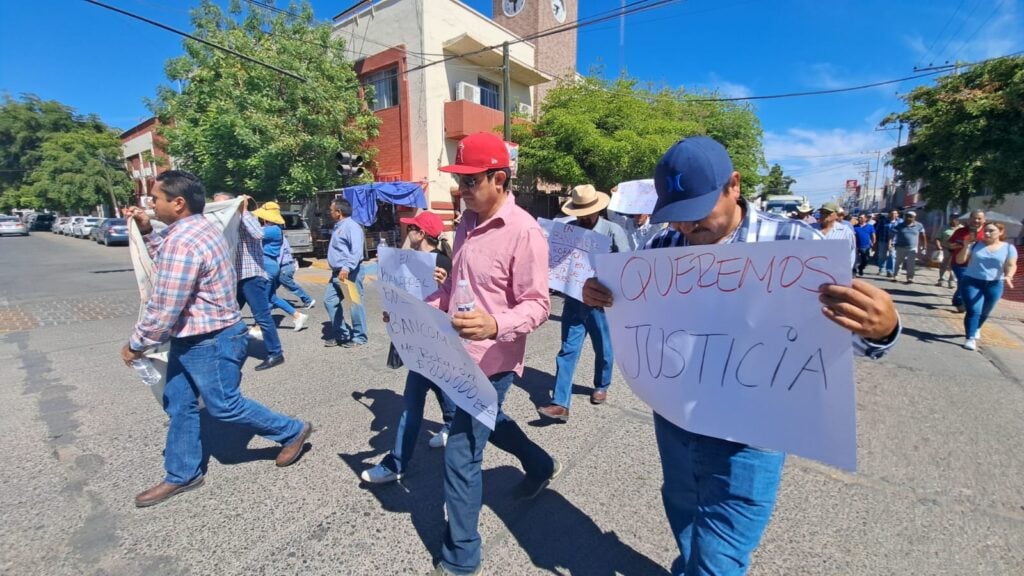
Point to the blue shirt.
(272, 240)
(346, 249)
(864, 234)
(841, 231)
(906, 235)
(987, 265)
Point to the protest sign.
(570, 255)
(729, 341)
(634, 197)
(430, 346)
(410, 270)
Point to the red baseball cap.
(427, 221)
(478, 153)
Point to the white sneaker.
(976, 337)
(439, 440)
(971, 344)
(256, 332)
(379, 475)
(300, 322)
(311, 304)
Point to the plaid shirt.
(193, 284)
(249, 255)
(763, 227)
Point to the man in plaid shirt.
(193, 305)
(719, 495)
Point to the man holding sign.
(502, 254)
(719, 495)
(580, 320)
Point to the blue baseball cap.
(689, 178)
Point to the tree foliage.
(604, 132)
(966, 133)
(43, 142)
(776, 183)
(244, 128)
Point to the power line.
(978, 29)
(197, 39)
(941, 32)
(959, 30)
(815, 92)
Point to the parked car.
(12, 226)
(94, 234)
(111, 231)
(58, 224)
(69, 226)
(83, 227)
(41, 221)
(297, 232)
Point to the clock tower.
(554, 54)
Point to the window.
(385, 88)
(490, 94)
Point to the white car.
(82, 228)
(12, 226)
(69, 226)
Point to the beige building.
(436, 71)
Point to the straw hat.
(271, 212)
(585, 200)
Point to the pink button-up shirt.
(505, 260)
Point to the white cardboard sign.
(427, 343)
(571, 252)
(634, 197)
(410, 270)
(729, 341)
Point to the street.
(939, 488)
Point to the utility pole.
(506, 87)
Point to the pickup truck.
(296, 231)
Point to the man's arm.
(529, 289)
(251, 224)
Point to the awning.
(365, 196)
(480, 54)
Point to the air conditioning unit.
(467, 91)
(525, 109)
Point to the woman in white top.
(992, 263)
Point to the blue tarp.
(365, 196)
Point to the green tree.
(604, 132)
(24, 125)
(244, 128)
(966, 134)
(79, 170)
(776, 183)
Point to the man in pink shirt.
(501, 251)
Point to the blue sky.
(104, 63)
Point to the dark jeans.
(463, 482)
(414, 398)
(210, 366)
(863, 256)
(256, 292)
(958, 293)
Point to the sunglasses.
(468, 181)
(413, 228)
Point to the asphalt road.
(939, 487)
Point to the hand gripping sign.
(729, 341)
(410, 270)
(430, 346)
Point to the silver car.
(82, 228)
(68, 228)
(12, 226)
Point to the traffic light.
(349, 165)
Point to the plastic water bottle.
(383, 242)
(147, 372)
(465, 301)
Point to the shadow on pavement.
(540, 386)
(229, 443)
(955, 339)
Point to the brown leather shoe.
(165, 490)
(598, 396)
(291, 452)
(555, 412)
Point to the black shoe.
(529, 489)
(270, 362)
(352, 344)
(334, 343)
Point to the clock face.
(558, 8)
(512, 7)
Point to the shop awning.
(474, 50)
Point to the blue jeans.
(887, 260)
(210, 366)
(287, 279)
(256, 292)
(334, 294)
(273, 270)
(718, 497)
(958, 296)
(414, 398)
(463, 482)
(980, 297)
(579, 320)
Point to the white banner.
(428, 345)
(571, 250)
(410, 270)
(634, 197)
(729, 341)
